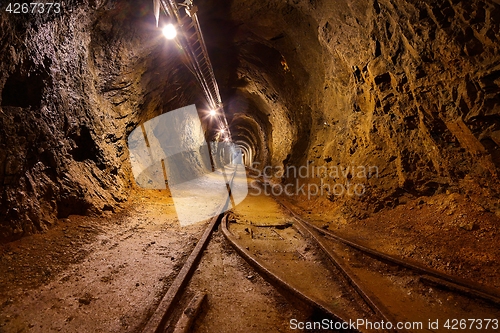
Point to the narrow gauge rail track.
(159, 320)
(166, 318)
(276, 280)
(333, 244)
(430, 275)
(482, 301)
(365, 299)
(323, 239)
(280, 282)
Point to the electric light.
(169, 31)
(222, 131)
(212, 113)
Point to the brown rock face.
(409, 88)
(73, 86)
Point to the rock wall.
(411, 88)
(72, 87)
(420, 98)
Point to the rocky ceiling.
(409, 87)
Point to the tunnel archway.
(294, 89)
(373, 123)
(248, 152)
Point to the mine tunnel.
(250, 166)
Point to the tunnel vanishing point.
(372, 122)
(408, 87)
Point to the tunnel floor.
(107, 274)
(95, 274)
(445, 232)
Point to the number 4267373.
(33, 8)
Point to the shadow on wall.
(25, 87)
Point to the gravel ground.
(91, 274)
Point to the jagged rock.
(407, 88)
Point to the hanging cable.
(190, 39)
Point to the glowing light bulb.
(222, 131)
(169, 31)
(212, 113)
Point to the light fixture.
(212, 113)
(222, 131)
(169, 31)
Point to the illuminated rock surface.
(410, 87)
